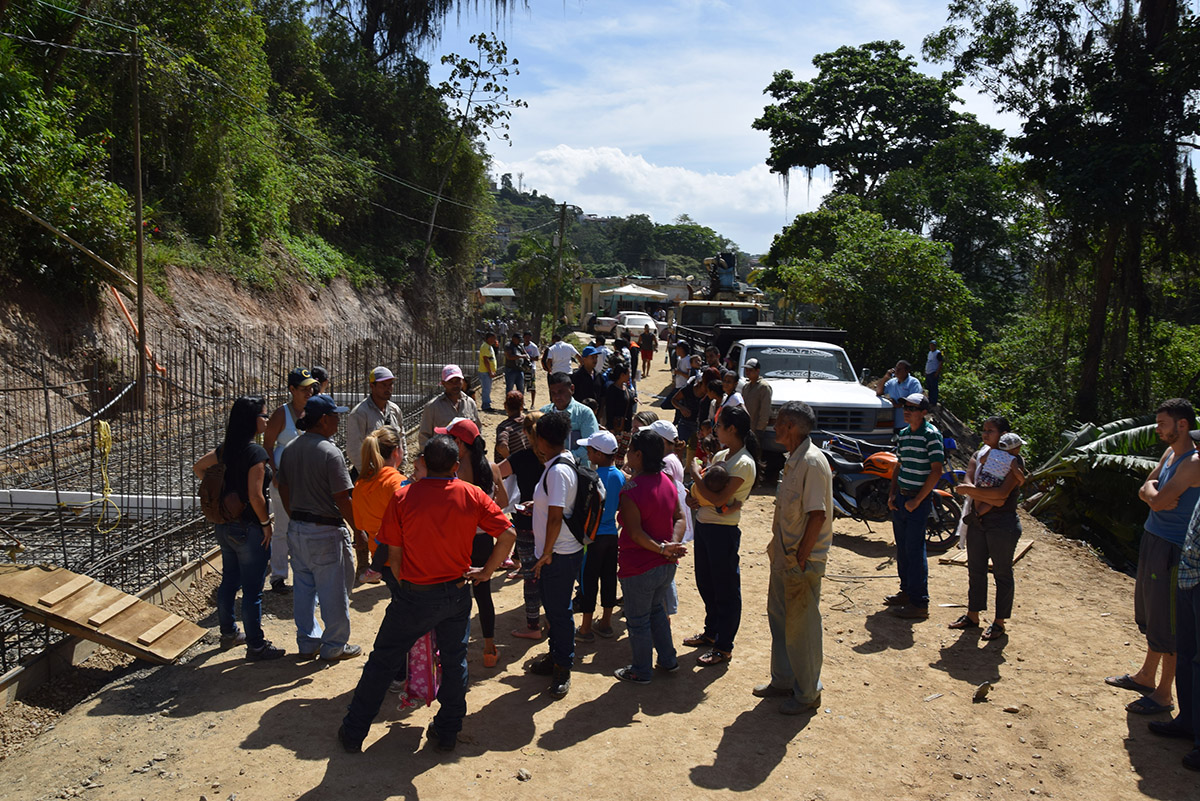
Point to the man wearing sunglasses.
(921, 454)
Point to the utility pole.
(562, 244)
(137, 222)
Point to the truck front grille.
(845, 420)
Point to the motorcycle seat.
(841, 465)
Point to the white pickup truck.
(821, 375)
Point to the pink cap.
(451, 371)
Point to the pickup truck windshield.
(709, 316)
(800, 361)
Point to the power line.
(81, 15)
(74, 48)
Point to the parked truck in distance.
(820, 374)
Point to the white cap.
(1010, 442)
(602, 441)
(665, 429)
(381, 374)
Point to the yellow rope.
(105, 442)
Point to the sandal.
(964, 622)
(698, 640)
(714, 657)
(993, 632)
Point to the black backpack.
(589, 500)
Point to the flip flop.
(993, 632)
(1126, 682)
(964, 622)
(698, 641)
(1147, 706)
(713, 657)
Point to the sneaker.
(667, 668)
(280, 586)
(560, 685)
(626, 674)
(350, 746)
(348, 652)
(769, 690)
(542, 666)
(793, 707)
(370, 576)
(604, 631)
(230, 640)
(264, 652)
(585, 636)
(443, 742)
(397, 686)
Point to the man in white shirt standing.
(933, 371)
(559, 356)
(535, 355)
(559, 553)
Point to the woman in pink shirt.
(652, 524)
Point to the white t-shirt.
(531, 350)
(734, 400)
(602, 354)
(556, 487)
(560, 355)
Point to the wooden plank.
(162, 627)
(66, 590)
(960, 557)
(112, 610)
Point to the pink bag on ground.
(424, 673)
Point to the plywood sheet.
(86, 608)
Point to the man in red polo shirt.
(429, 527)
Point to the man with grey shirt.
(757, 396)
(315, 488)
(452, 403)
(801, 534)
(372, 412)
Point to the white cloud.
(748, 206)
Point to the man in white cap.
(453, 402)
(921, 456)
(373, 411)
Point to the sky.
(645, 106)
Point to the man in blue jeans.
(435, 578)
(559, 553)
(314, 486)
(922, 454)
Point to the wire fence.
(95, 471)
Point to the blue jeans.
(909, 530)
(646, 618)
(444, 609)
(514, 378)
(1187, 662)
(719, 581)
(557, 582)
(485, 391)
(322, 570)
(795, 620)
(244, 561)
(931, 384)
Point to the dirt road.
(897, 719)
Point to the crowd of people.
(662, 491)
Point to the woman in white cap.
(474, 468)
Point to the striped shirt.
(1189, 557)
(918, 451)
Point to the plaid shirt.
(1189, 558)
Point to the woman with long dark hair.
(475, 468)
(245, 542)
(651, 525)
(718, 536)
(992, 531)
(526, 465)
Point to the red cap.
(462, 428)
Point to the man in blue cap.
(315, 485)
(584, 377)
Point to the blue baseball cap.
(589, 351)
(320, 405)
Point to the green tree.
(868, 112)
(684, 237)
(633, 239)
(890, 289)
(531, 275)
(1108, 96)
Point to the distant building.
(495, 293)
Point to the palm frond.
(1137, 440)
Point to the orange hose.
(134, 328)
